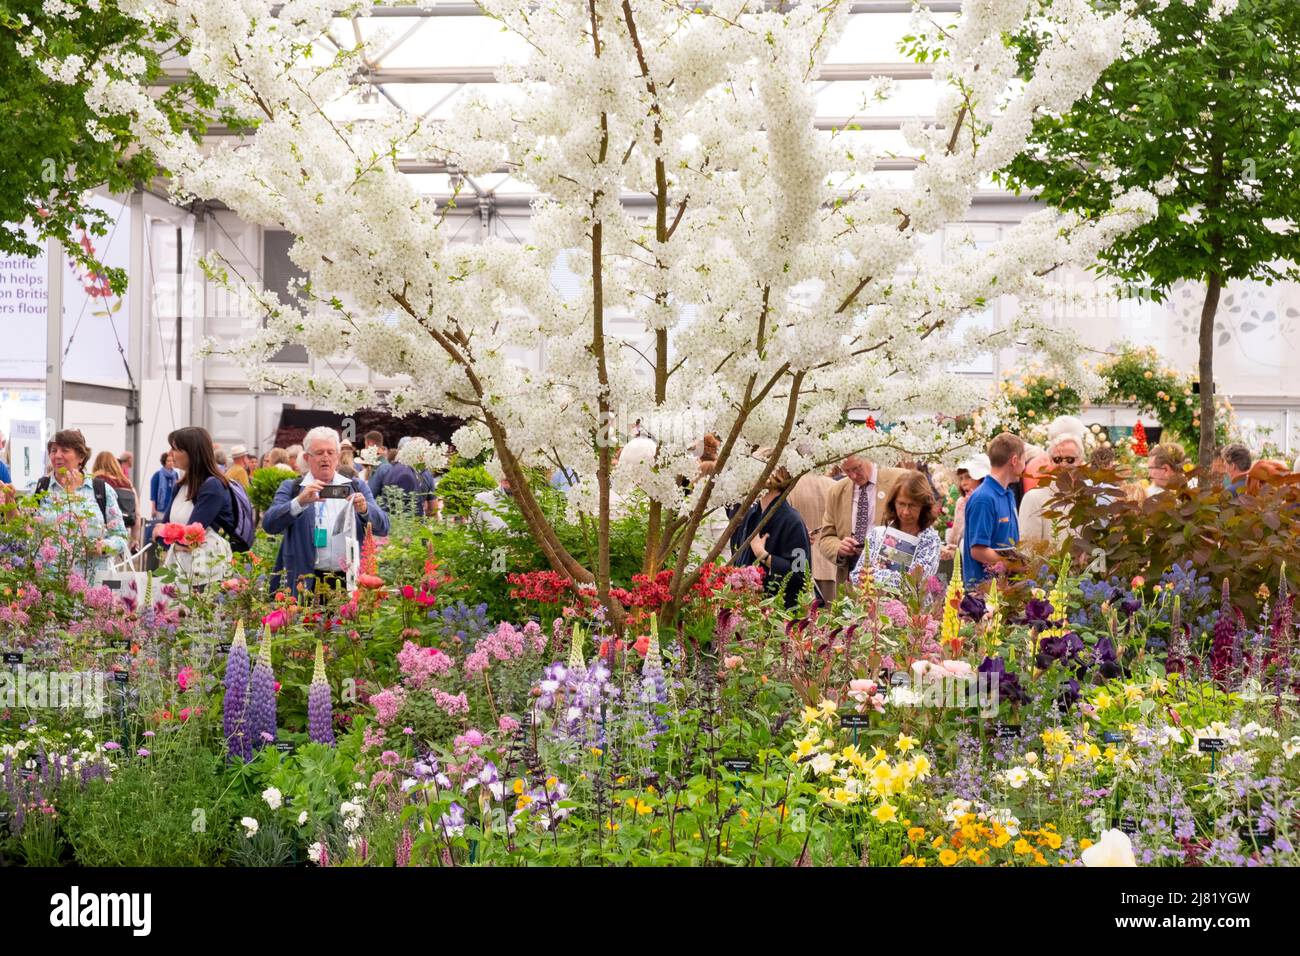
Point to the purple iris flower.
(1038, 613)
(973, 606)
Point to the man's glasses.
(1064, 459)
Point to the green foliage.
(478, 558)
(263, 484)
(1206, 118)
(1245, 539)
(1041, 396)
(51, 160)
(458, 486)
(157, 811)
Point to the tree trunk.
(1208, 312)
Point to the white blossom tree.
(777, 278)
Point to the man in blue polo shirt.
(991, 524)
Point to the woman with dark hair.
(781, 545)
(83, 508)
(202, 497)
(907, 539)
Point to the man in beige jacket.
(808, 497)
(853, 507)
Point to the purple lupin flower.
(261, 697)
(235, 703)
(320, 713)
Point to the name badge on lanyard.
(320, 536)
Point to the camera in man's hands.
(336, 491)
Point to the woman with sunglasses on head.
(202, 497)
(1064, 452)
(82, 507)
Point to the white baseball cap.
(977, 466)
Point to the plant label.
(737, 764)
(855, 721)
(13, 657)
(1211, 745)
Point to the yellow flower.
(523, 801)
(916, 833)
(1132, 693)
(611, 826)
(596, 751)
(906, 743)
(1102, 700)
(1159, 685)
(552, 781)
(1054, 841)
(885, 812)
(907, 860)
(1002, 839)
(1085, 843)
(938, 842)
(1022, 847)
(640, 806)
(947, 857)
(519, 785)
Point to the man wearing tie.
(315, 525)
(853, 508)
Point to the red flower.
(871, 423)
(408, 592)
(642, 644)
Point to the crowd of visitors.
(859, 519)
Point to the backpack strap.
(42, 484)
(101, 497)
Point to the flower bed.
(1059, 721)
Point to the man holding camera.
(312, 512)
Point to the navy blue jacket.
(787, 542)
(297, 554)
(212, 508)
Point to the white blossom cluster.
(784, 282)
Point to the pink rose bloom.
(276, 620)
(955, 668)
(862, 685)
(184, 677)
